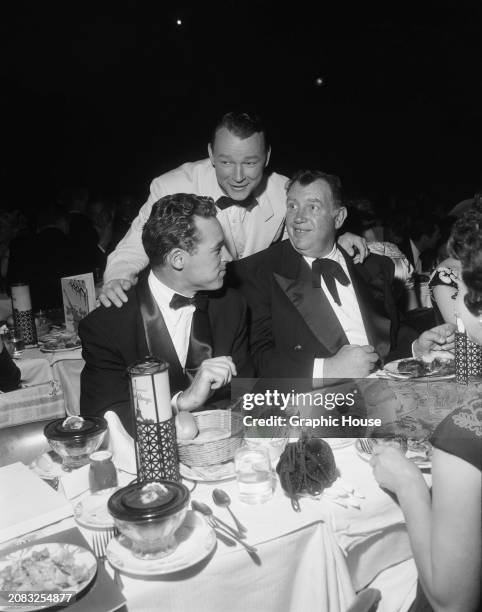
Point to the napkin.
(121, 444)
(75, 482)
(29, 503)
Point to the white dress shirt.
(246, 231)
(178, 322)
(348, 314)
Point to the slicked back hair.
(241, 124)
(172, 225)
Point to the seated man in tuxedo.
(203, 334)
(314, 313)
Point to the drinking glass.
(253, 474)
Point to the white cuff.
(318, 367)
(174, 406)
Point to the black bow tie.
(330, 270)
(225, 202)
(199, 301)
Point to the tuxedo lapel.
(158, 339)
(310, 302)
(377, 325)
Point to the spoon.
(222, 499)
(206, 510)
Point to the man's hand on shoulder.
(212, 374)
(113, 292)
(355, 246)
(351, 361)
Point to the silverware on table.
(100, 541)
(215, 523)
(222, 499)
(207, 511)
(366, 445)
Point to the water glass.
(14, 343)
(274, 446)
(253, 474)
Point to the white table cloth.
(39, 367)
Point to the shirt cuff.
(318, 367)
(174, 406)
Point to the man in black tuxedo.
(178, 312)
(315, 314)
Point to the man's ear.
(210, 153)
(341, 215)
(268, 155)
(175, 258)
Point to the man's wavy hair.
(306, 177)
(242, 124)
(172, 224)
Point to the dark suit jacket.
(114, 338)
(292, 323)
(9, 372)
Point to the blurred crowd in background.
(76, 231)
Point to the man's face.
(239, 163)
(312, 218)
(203, 268)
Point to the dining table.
(38, 366)
(317, 558)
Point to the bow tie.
(199, 301)
(330, 270)
(224, 202)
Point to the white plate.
(60, 350)
(91, 511)
(211, 473)
(196, 541)
(392, 370)
(82, 557)
(416, 457)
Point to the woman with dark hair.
(446, 280)
(444, 525)
(9, 372)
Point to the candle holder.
(23, 317)
(154, 429)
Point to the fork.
(100, 541)
(366, 445)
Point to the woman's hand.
(392, 470)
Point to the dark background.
(113, 95)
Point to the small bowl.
(148, 515)
(75, 438)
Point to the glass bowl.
(75, 438)
(148, 515)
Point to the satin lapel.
(313, 307)
(158, 339)
(377, 324)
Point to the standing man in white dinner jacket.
(251, 203)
